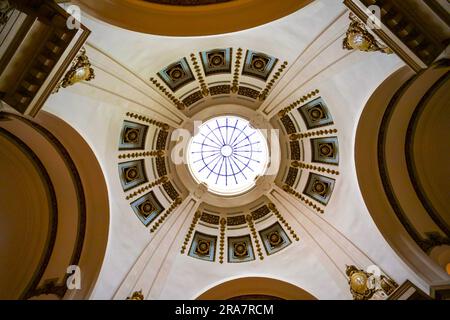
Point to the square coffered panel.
(274, 238)
(132, 174)
(258, 65)
(240, 249)
(203, 247)
(216, 61)
(133, 136)
(177, 75)
(315, 114)
(288, 124)
(325, 150)
(319, 188)
(147, 208)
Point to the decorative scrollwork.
(137, 295)
(369, 286)
(81, 70)
(357, 37)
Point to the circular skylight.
(227, 154)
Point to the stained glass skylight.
(228, 154)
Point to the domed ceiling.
(228, 155)
(231, 156)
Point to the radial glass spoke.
(227, 154)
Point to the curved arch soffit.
(88, 248)
(250, 286)
(373, 178)
(189, 20)
(96, 198)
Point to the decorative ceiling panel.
(240, 249)
(274, 238)
(132, 174)
(248, 92)
(291, 176)
(210, 218)
(220, 89)
(319, 188)
(161, 141)
(216, 61)
(170, 190)
(258, 65)
(177, 75)
(325, 150)
(288, 124)
(261, 212)
(161, 166)
(236, 220)
(133, 136)
(203, 247)
(315, 114)
(295, 150)
(193, 98)
(147, 208)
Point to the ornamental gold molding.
(237, 69)
(80, 70)
(162, 125)
(151, 185)
(137, 295)
(153, 153)
(359, 38)
(161, 219)
(223, 226)
(194, 222)
(180, 105)
(296, 194)
(280, 218)
(298, 164)
(200, 78)
(251, 226)
(317, 133)
(294, 104)
(265, 93)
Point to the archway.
(256, 288)
(192, 19)
(399, 166)
(60, 206)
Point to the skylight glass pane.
(227, 154)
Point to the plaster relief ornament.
(369, 286)
(137, 295)
(359, 38)
(358, 281)
(80, 70)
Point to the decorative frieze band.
(308, 202)
(294, 104)
(298, 164)
(317, 133)
(162, 218)
(251, 226)
(265, 93)
(147, 187)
